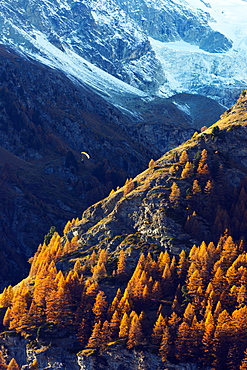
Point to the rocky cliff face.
(170, 21)
(60, 359)
(97, 32)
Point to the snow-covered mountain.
(61, 32)
(136, 48)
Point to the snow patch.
(183, 107)
(78, 68)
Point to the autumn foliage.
(202, 197)
(200, 300)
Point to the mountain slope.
(71, 27)
(46, 121)
(143, 210)
(114, 265)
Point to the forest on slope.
(186, 303)
(188, 309)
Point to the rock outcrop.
(61, 359)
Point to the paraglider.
(84, 156)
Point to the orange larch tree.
(195, 339)
(3, 365)
(95, 338)
(105, 335)
(90, 292)
(99, 271)
(124, 326)
(189, 313)
(173, 323)
(93, 258)
(100, 306)
(103, 256)
(183, 340)
(135, 336)
(115, 324)
(164, 345)
(203, 168)
(59, 305)
(79, 267)
(19, 311)
(239, 332)
(13, 365)
(229, 253)
(36, 315)
(156, 291)
(6, 297)
(242, 296)
(207, 339)
(163, 260)
(221, 341)
(44, 283)
(7, 318)
(121, 271)
(75, 285)
(244, 361)
(175, 195)
(83, 331)
(115, 303)
(158, 329)
(182, 266)
(166, 280)
(183, 157)
(194, 282)
(187, 171)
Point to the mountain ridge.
(218, 146)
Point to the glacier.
(191, 69)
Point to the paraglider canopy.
(85, 156)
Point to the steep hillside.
(205, 169)
(150, 270)
(46, 120)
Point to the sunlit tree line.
(190, 308)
